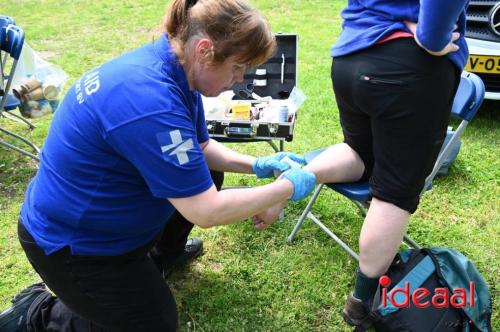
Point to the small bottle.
(31, 84)
(25, 87)
(36, 94)
(50, 92)
(283, 114)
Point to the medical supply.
(282, 68)
(283, 113)
(293, 164)
(260, 77)
(241, 111)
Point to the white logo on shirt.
(180, 148)
(91, 85)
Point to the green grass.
(250, 281)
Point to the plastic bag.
(42, 97)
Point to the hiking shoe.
(166, 264)
(355, 311)
(15, 318)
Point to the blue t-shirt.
(368, 21)
(125, 138)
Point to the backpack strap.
(416, 277)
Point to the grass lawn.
(249, 281)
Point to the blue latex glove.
(264, 167)
(303, 182)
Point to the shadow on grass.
(490, 110)
(262, 284)
(212, 301)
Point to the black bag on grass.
(431, 290)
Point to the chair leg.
(334, 237)
(305, 213)
(362, 207)
(273, 145)
(13, 147)
(26, 153)
(2, 64)
(16, 117)
(410, 242)
(8, 132)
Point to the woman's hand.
(266, 218)
(303, 182)
(449, 48)
(264, 167)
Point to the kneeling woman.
(127, 147)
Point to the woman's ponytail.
(235, 28)
(177, 18)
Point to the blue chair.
(11, 45)
(4, 20)
(467, 101)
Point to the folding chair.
(11, 44)
(11, 102)
(467, 101)
(4, 20)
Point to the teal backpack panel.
(458, 271)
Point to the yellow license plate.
(483, 64)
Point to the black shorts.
(394, 101)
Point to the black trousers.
(120, 293)
(394, 103)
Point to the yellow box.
(241, 111)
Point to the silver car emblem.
(495, 19)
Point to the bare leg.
(381, 236)
(338, 163)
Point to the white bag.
(52, 79)
(31, 64)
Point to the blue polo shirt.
(368, 21)
(125, 138)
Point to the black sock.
(365, 287)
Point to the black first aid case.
(264, 106)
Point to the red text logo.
(419, 297)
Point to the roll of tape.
(257, 82)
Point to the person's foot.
(166, 264)
(355, 311)
(14, 319)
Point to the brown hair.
(235, 28)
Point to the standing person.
(126, 148)
(394, 82)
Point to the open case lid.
(277, 77)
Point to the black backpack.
(431, 290)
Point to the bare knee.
(381, 236)
(372, 262)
